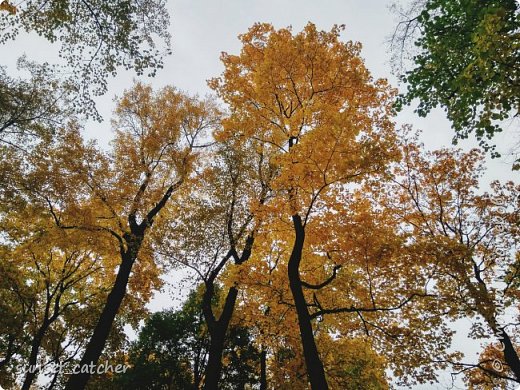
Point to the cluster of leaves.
(53, 288)
(172, 348)
(96, 39)
(469, 243)
(467, 62)
(32, 109)
(101, 204)
(330, 246)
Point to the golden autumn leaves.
(342, 244)
(8, 7)
(307, 109)
(103, 203)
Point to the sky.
(201, 30)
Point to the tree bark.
(263, 369)
(217, 330)
(96, 344)
(315, 370)
(36, 343)
(32, 370)
(510, 355)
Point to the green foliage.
(172, 348)
(159, 358)
(467, 63)
(32, 108)
(16, 303)
(95, 37)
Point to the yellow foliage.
(8, 7)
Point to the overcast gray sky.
(203, 29)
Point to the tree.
(54, 285)
(120, 195)
(471, 240)
(96, 38)
(216, 232)
(31, 109)
(466, 61)
(156, 138)
(364, 284)
(62, 288)
(310, 98)
(172, 351)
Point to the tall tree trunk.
(315, 370)
(214, 366)
(32, 371)
(510, 355)
(96, 344)
(217, 330)
(263, 369)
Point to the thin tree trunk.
(198, 366)
(196, 372)
(32, 371)
(510, 355)
(263, 369)
(315, 370)
(217, 331)
(96, 344)
(54, 380)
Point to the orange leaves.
(156, 136)
(98, 206)
(309, 98)
(8, 7)
(464, 240)
(306, 103)
(352, 364)
(492, 361)
(94, 196)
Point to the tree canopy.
(465, 59)
(95, 38)
(324, 246)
